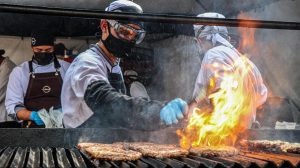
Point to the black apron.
(43, 91)
(116, 80)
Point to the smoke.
(276, 52)
(178, 63)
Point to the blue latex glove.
(36, 118)
(173, 111)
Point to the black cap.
(42, 37)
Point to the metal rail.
(177, 19)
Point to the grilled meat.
(108, 151)
(112, 153)
(156, 150)
(261, 144)
(83, 146)
(208, 151)
(278, 146)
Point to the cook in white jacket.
(36, 84)
(213, 44)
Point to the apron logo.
(46, 89)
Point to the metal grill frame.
(72, 157)
(68, 138)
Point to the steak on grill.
(112, 153)
(261, 144)
(210, 151)
(279, 146)
(108, 151)
(156, 150)
(83, 146)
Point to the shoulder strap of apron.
(56, 63)
(31, 69)
(56, 66)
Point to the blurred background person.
(133, 86)
(6, 66)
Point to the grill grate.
(33, 157)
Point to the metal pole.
(177, 19)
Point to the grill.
(55, 148)
(72, 157)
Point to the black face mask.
(43, 58)
(117, 47)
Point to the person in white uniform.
(6, 66)
(94, 94)
(36, 84)
(133, 86)
(214, 47)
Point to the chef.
(6, 66)
(215, 49)
(94, 94)
(36, 84)
(133, 86)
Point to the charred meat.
(209, 151)
(108, 151)
(277, 146)
(156, 150)
(112, 153)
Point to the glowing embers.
(231, 95)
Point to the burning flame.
(232, 106)
(247, 34)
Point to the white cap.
(130, 72)
(201, 31)
(212, 33)
(124, 6)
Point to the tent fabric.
(21, 24)
(186, 7)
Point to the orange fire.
(230, 115)
(233, 105)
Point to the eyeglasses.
(128, 33)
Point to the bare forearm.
(23, 114)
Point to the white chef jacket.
(137, 89)
(5, 69)
(225, 57)
(86, 68)
(18, 83)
